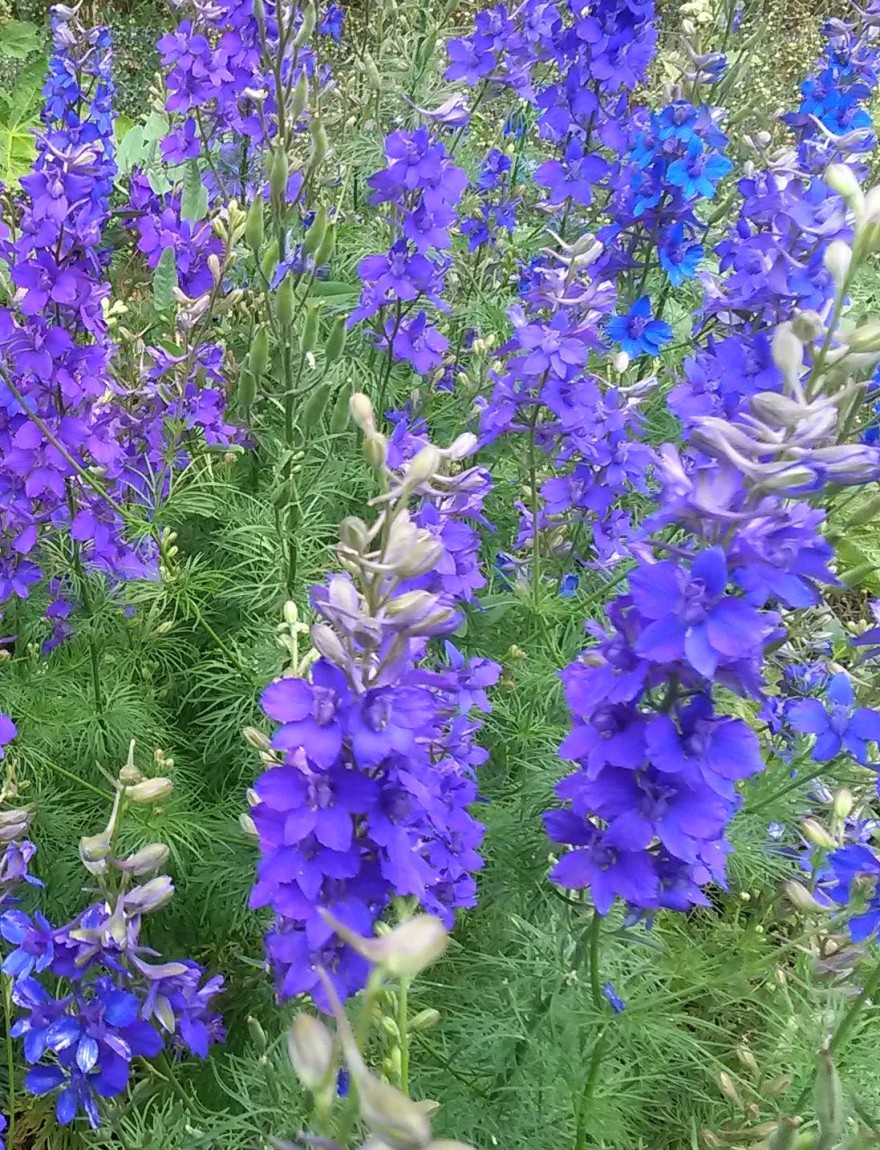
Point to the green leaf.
(332, 288)
(18, 117)
(194, 204)
(165, 281)
(18, 38)
(131, 152)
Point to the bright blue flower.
(851, 866)
(613, 998)
(698, 171)
(568, 585)
(678, 258)
(838, 727)
(637, 333)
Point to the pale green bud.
(813, 830)
(145, 861)
(256, 739)
(808, 326)
(149, 791)
(362, 412)
(787, 350)
(310, 1049)
(785, 1136)
(837, 260)
(315, 235)
(376, 450)
(335, 343)
(843, 180)
(405, 951)
(284, 302)
(843, 804)
(94, 848)
(258, 357)
(328, 245)
(728, 1089)
(341, 413)
(258, 1034)
(798, 895)
(307, 27)
(313, 409)
(300, 96)
(421, 468)
(311, 328)
(253, 228)
(279, 171)
(424, 1020)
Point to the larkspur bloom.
(637, 332)
(840, 727)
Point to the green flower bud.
(815, 833)
(300, 96)
(258, 1034)
(315, 234)
(843, 804)
(341, 414)
(828, 1098)
(335, 343)
(284, 302)
(279, 171)
(313, 408)
(376, 450)
(362, 412)
(310, 1049)
(145, 861)
(843, 180)
(260, 13)
(424, 1020)
(254, 227)
(320, 143)
(311, 327)
(258, 359)
(149, 791)
(247, 388)
(307, 27)
(324, 254)
(269, 261)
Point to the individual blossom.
(637, 332)
(839, 726)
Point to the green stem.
(10, 1061)
(361, 1035)
(844, 1027)
(600, 1045)
(403, 1028)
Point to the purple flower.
(838, 727)
(637, 333)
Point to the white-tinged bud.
(376, 450)
(462, 446)
(815, 833)
(145, 861)
(843, 180)
(353, 533)
(728, 1089)
(808, 326)
(362, 412)
(94, 848)
(404, 951)
(150, 896)
(787, 350)
(397, 1121)
(620, 362)
(256, 739)
(149, 791)
(411, 605)
(310, 1049)
(843, 804)
(865, 338)
(248, 825)
(326, 642)
(837, 260)
(799, 897)
(291, 614)
(422, 467)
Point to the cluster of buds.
(127, 900)
(371, 615)
(394, 1121)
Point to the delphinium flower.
(158, 224)
(54, 378)
(223, 64)
(839, 726)
(496, 205)
(370, 774)
(833, 121)
(421, 186)
(88, 995)
(331, 22)
(637, 332)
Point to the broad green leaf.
(332, 288)
(19, 115)
(18, 38)
(131, 151)
(165, 281)
(194, 203)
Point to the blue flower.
(637, 333)
(568, 585)
(613, 998)
(837, 727)
(677, 258)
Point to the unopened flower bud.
(310, 1049)
(94, 848)
(149, 791)
(808, 326)
(787, 350)
(248, 825)
(424, 1020)
(376, 450)
(620, 362)
(396, 1120)
(815, 833)
(362, 412)
(405, 951)
(785, 1136)
(150, 896)
(334, 345)
(279, 171)
(421, 468)
(843, 804)
(130, 775)
(315, 235)
(311, 327)
(728, 1089)
(258, 357)
(798, 895)
(837, 260)
(777, 1086)
(307, 27)
(747, 1059)
(300, 96)
(258, 1034)
(145, 861)
(326, 642)
(842, 179)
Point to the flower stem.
(594, 939)
(403, 1028)
(10, 1060)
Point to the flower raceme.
(371, 770)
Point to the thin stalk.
(844, 1028)
(601, 1043)
(403, 1030)
(10, 1061)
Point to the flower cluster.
(421, 186)
(371, 770)
(88, 995)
